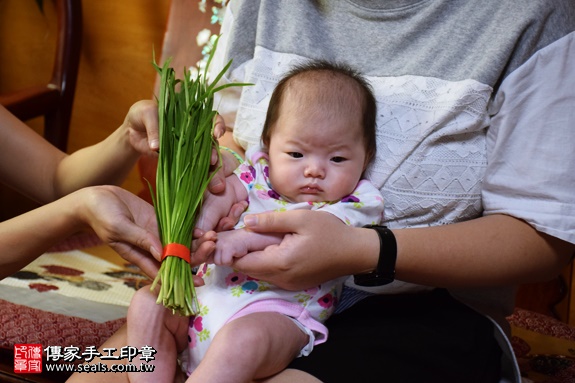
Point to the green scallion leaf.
(186, 122)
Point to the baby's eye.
(338, 159)
(295, 154)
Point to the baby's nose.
(314, 170)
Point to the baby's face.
(315, 156)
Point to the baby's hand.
(229, 245)
(237, 243)
(203, 247)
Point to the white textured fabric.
(540, 190)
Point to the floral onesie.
(229, 294)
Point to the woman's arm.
(493, 250)
(37, 169)
(31, 165)
(119, 218)
(110, 161)
(27, 161)
(488, 251)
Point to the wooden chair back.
(54, 100)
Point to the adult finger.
(217, 184)
(143, 116)
(150, 121)
(265, 265)
(228, 165)
(138, 246)
(198, 281)
(135, 255)
(200, 236)
(276, 222)
(203, 252)
(228, 223)
(215, 157)
(219, 126)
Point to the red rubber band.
(176, 250)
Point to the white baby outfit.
(229, 294)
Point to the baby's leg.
(151, 324)
(251, 347)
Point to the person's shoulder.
(556, 14)
(537, 11)
(537, 24)
(531, 6)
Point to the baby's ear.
(265, 143)
(369, 156)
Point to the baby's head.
(319, 132)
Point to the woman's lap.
(426, 337)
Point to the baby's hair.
(340, 79)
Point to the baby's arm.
(237, 243)
(217, 206)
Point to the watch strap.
(384, 273)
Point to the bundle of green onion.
(186, 121)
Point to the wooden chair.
(54, 100)
(552, 298)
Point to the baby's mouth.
(311, 189)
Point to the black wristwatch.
(384, 273)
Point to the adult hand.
(317, 247)
(229, 163)
(123, 221)
(141, 122)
